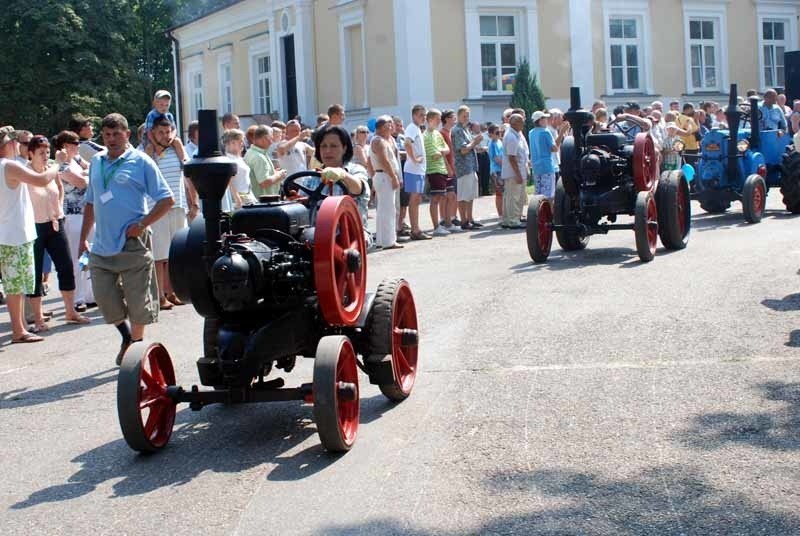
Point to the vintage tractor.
(602, 176)
(272, 287)
(741, 164)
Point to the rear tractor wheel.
(790, 181)
(674, 210)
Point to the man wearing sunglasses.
(21, 146)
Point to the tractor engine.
(262, 264)
(600, 166)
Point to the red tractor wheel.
(645, 163)
(539, 230)
(394, 338)
(146, 412)
(340, 261)
(646, 226)
(754, 198)
(335, 393)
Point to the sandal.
(39, 327)
(420, 236)
(165, 305)
(394, 246)
(173, 299)
(80, 319)
(27, 337)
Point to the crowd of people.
(104, 215)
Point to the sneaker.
(404, 232)
(80, 308)
(467, 226)
(420, 236)
(476, 224)
(454, 229)
(456, 222)
(406, 227)
(123, 347)
(440, 231)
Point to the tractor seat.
(611, 140)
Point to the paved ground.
(591, 395)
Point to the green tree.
(527, 93)
(83, 56)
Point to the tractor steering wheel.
(314, 196)
(621, 129)
(744, 114)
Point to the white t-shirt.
(514, 144)
(414, 135)
(295, 160)
(241, 181)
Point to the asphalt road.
(591, 395)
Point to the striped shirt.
(171, 169)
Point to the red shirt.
(451, 166)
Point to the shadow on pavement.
(659, 501)
(787, 303)
(221, 439)
(568, 260)
(778, 430)
(20, 398)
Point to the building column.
(305, 62)
(580, 29)
(413, 50)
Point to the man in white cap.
(542, 147)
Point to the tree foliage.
(83, 56)
(527, 93)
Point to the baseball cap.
(7, 133)
(163, 94)
(538, 115)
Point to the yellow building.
(288, 57)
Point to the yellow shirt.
(687, 123)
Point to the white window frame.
(258, 50)
(526, 26)
(716, 11)
(498, 41)
(192, 68)
(640, 11)
(349, 18)
(775, 11)
(223, 61)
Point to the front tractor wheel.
(645, 225)
(754, 198)
(674, 210)
(335, 393)
(539, 229)
(146, 411)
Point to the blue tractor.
(741, 164)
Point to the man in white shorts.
(466, 164)
(165, 228)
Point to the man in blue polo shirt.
(121, 261)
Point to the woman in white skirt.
(74, 174)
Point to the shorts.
(468, 187)
(451, 185)
(163, 231)
(125, 284)
(545, 184)
(413, 184)
(404, 198)
(498, 183)
(438, 183)
(16, 263)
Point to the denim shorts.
(413, 184)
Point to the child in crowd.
(161, 103)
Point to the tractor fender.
(751, 162)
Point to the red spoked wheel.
(646, 226)
(754, 198)
(539, 228)
(645, 163)
(146, 411)
(335, 393)
(393, 339)
(340, 261)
